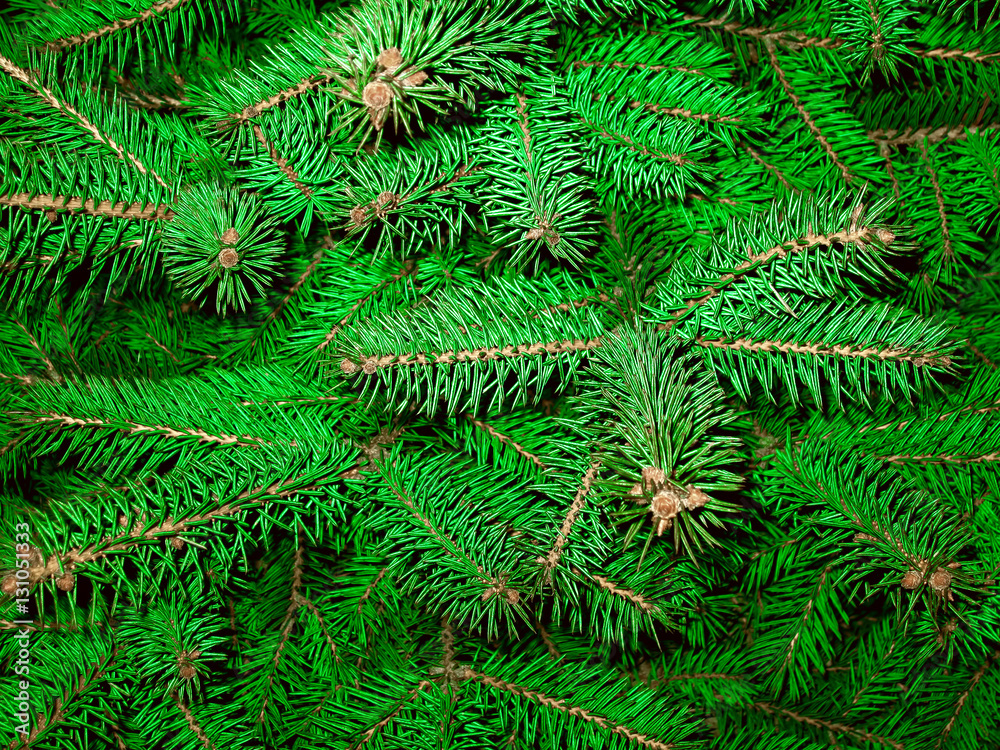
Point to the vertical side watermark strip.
(21, 710)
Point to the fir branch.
(551, 560)
(582, 64)
(162, 347)
(69, 560)
(943, 458)
(910, 137)
(24, 380)
(447, 645)
(628, 594)
(323, 628)
(372, 585)
(316, 258)
(192, 723)
(889, 427)
(576, 711)
(965, 695)
(373, 450)
(282, 163)
(917, 359)
(884, 151)
(949, 253)
(13, 266)
(778, 545)
(50, 369)
(899, 425)
(154, 11)
(792, 39)
(801, 622)
(16, 72)
(947, 53)
(409, 268)
(363, 215)
(796, 40)
(492, 432)
(673, 111)
(755, 155)
(550, 645)
(296, 600)
(369, 364)
(493, 586)
(254, 110)
(372, 731)
(573, 305)
(320, 399)
(525, 129)
(449, 673)
(696, 676)
(863, 735)
(610, 220)
(622, 139)
(463, 171)
(69, 340)
(11, 444)
(806, 117)
(27, 79)
(146, 99)
(725, 201)
(982, 357)
(870, 678)
(798, 245)
(90, 207)
(62, 705)
(170, 432)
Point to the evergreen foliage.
(467, 374)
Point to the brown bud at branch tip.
(228, 257)
(377, 95)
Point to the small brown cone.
(940, 580)
(695, 498)
(65, 582)
(390, 59)
(653, 478)
(358, 215)
(410, 77)
(667, 503)
(377, 95)
(228, 257)
(885, 236)
(911, 580)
